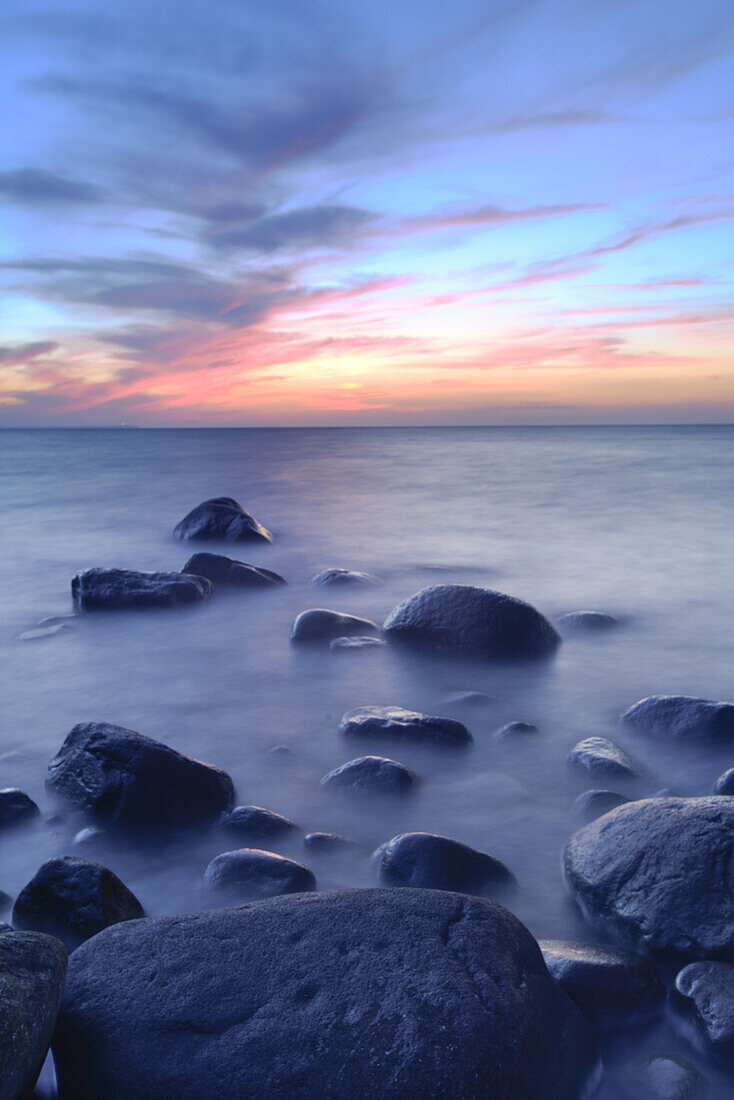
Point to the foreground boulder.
(220, 519)
(224, 572)
(357, 993)
(256, 821)
(404, 725)
(74, 899)
(132, 780)
(655, 873)
(708, 988)
(330, 578)
(600, 756)
(371, 773)
(32, 970)
(115, 589)
(15, 806)
(439, 863)
(681, 716)
(458, 618)
(251, 873)
(318, 625)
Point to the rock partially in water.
(662, 1077)
(406, 725)
(32, 971)
(725, 783)
(708, 988)
(73, 899)
(256, 821)
(577, 622)
(358, 993)
(602, 757)
(134, 781)
(470, 698)
(116, 589)
(461, 619)
(515, 729)
(655, 874)
(346, 643)
(439, 863)
(326, 842)
(594, 803)
(15, 806)
(337, 577)
(682, 716)
(371, 773)
(224, 572)
(613, 988)
(318, 625)
(250, 873)
(220, 519)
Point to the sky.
(307, 212)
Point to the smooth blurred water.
(638, 522)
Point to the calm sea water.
(638, 522)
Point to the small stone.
(470, 698)
(601, 756)
(371, 773)
(326, 842)
(220, 519)
(317, 625)
(15, 806)
(586, 621)
(340, 644)
(226, 572)
(408, 725)
(251, 874)
(593, 804)
(709, 989)
(337, 577)
(439, 863)
(256, 822)
(511, 729)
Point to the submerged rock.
(73, 899)
(32, 970)
(132, 780)
(371, 773)
(459, 618)
(256, 821)
(408, 725)
(470, 698)
(227, 572)
(251, 873)
(439, 863)
(708, 987)
(336, 577)
(586, 621)
(113, 589)
(601, 756)
(319, 625)
(681, 716)
(593, 804)
(655, 873)
(15, 806)
(220, 519)
(357, 993)
(512, 729)
(326, 842)
(357, 642)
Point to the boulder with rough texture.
(15, 806)
(250, 873)
(593, 804)
(586, 621)
(357, 993)
(220, 519)
(439, 863)
(371, 773)
(404, 725)
(73, 899)
(320, 626)
(117, 589)
(601, 757)
(656, 874)
(132, 780)
(32, 970)
(708, 988)
(256, 821)
(224, 572)
(337, 577)
(681, 716)
(458, 618)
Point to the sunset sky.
(261, 212)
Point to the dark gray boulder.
(320, 626)
(613, 988)
(73, 899)
(458, 618)
(134, 781)
(15, 806)
(255, 821)
(600, 756)
(371, 773)
(655, 873)
(593, 804)
(404, 725)
(32, 970)
(586, 622)
(326, 842)
(514, 729)
(250, 873)
(439, 863)
(361, 993)
(329, 578)
(220, 519)
(116, 589)
(725, 783)
(708, 990)
(357, 642)
(226, 572)
(681, 716)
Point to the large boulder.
(371, 773)
(404, 725)
(15, 806)
(132, 780)
(681, 716)
(357, 993)
(32, 970)
(459, 618)
(115, 589)
(224, 572)
(251, 873)
(220, 519)
(320, 626)
(439, 863)
(74, 899)
(656, 874)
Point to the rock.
(112, 589)
(280, 751)
(255, 821)
(470, 698)
(371, 773)
(459, 618)
(337, 577)
(655, 873)
(725, 783)
(406, 725)
(221, 519)
(226, 572)
(320, 625)
(73, 899)
(680, 716)
(593, 804)
(5, 927)
(132, 780)
(511, 729)
(601, 756)
(358, 642)
(360, 993)
(326, 842)
(439, 863)
(708, 987)
(613, 988)
(587, 621)
(32, 970)
(667, 1078)
(250, 873)
(15, 806)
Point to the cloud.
(36, 186)
(306, 227)
(489, 214)
(26, 353)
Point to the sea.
(637, 522)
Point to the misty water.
(638, 522)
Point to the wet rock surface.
(681, 716)
(371, 773)
(224, 572)
(220, 519)
(117, 589)
(600, 756)
(251, 873)
(401, 724)
(320, 626)
(439, 863)
(708, 990)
